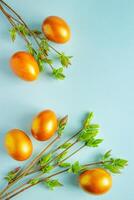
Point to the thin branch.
(9, 18)
(76, 151)
(56, 165)
(27, 169)
(56, 149)
(48, 177)
(20, 18)
(18, 178)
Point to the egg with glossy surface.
(18, 144)
(56, 29)
(24, 65)
(44, 125)
(96, 181)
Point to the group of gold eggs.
(23, 64)
(17, 143)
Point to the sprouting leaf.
(92, 142)
(23, 30)
(13, 34)
(58, 73)
(65, 60)
(75, 168)
(64, 165)
(61, 125)
(61, 156)
(111, 168)
(39, 58)
(30, 49)
(11, 175)
(66, 145)
(51, 184)
(47, 169)
(107, 155)
(41, 65)
(44, 46)
(88, 119)
(33, 181)
(45, 159)
(115, 165)
(48, 61)
(94, 126)
(87, 133)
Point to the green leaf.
(107, 155)
(51, 184)
(65, 60)
(30, 49)
(94, 126)
(115, 165)
(45, 159)
(44, 46)
(48, 61)
(66, 145)
(33, 181)
(75, 168)
(22, 29)
(39, 58)
(92, 142)
(41, 65)
(87, 133)
(11, 175)
(47, 169)
(13, 34)
(61, 156)
(88, 119)
(58, 73)
(61, 125)
(64, 165)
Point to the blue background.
(100, 79)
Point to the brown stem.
(60, 153)
(54, 49)
(43, 36)
(9, 18)
(27, 169)
(77, 150)
(19, 17)
(1, 8)
(55, 150)
(46, 178)
(36, 159)
(94, 163)
(56, 165)
(14, 190)
(22, 22)
(68, 140)
(31, 33)
(27, 173)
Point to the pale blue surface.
(101, 79)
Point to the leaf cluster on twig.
(36, 43)
(44, 163)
